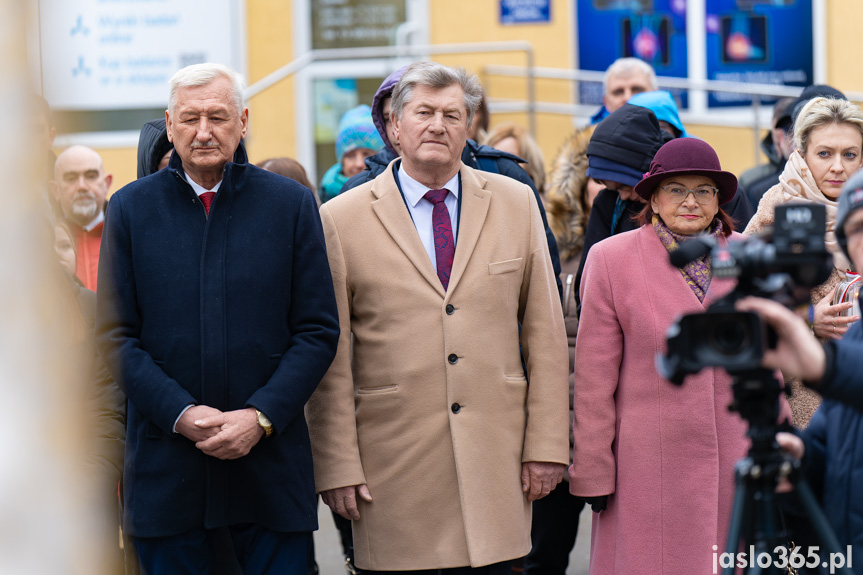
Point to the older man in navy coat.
(218, 318)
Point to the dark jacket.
(233, 310)
(755, 181)
(834, 442)
(152, 145)
(478, 157)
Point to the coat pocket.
(505, 266)
(377, 390)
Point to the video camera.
(784, 269)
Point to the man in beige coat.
(424, 431)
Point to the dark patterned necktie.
(444, 246)
(207, 200)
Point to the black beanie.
(630, 136)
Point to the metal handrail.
(757, 90)
(662, 81)
(405, 51)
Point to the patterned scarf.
(697, 273)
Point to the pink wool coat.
(667, 453)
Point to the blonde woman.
(514, 139)
(828, 135)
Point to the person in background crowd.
(828, 135)
(832, 444)
(479, 129)
(154, 147)
(289, 168)
(80, 187)
(623, 79)
(64, 247)
(423, 430)
(102, 401)
(619, 152)
(216, 314)
(514, 139)
(357, 139)
(662, 104)
(810, 92)
(777, 145)
(655, 460)
(475, 156)
(555, 518)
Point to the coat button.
(453, 358)
(455, 408)
(450, 309)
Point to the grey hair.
(438, 76)
(203, 74)
(625, 67)
(822, 111)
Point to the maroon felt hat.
(687, 156)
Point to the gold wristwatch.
(265, 423)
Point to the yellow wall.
(843, 44)
(479, 21)
(270, 45)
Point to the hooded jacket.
(152, 145)
(565, 195)
(754, 182)
(385, 91)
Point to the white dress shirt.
(421, 209)
(199, 189)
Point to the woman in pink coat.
(659, 457)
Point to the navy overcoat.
(232, 310)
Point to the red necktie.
(444, 246)
(207, 200)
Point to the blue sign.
(524, 11)
(763, 41)
(652, 30)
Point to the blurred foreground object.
(45, 505)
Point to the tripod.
(753, 527)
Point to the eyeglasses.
(678, 194)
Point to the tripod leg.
(739, 517)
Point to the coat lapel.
(718, 288)
(475, 201)
(393, 214)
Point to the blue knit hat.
(356, 130)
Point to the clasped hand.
(224, 435)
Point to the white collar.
(100, 217)
(199, 189)
(414, 191)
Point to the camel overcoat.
(667, 453)
(430, 405)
